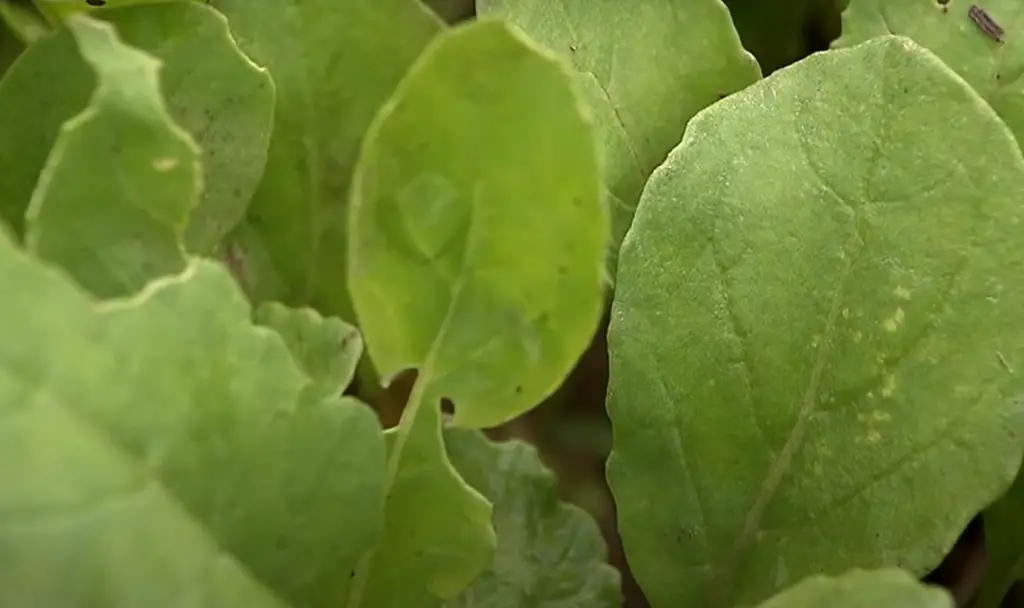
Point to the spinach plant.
(226, 223)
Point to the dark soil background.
(571, 428)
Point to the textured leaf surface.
(468, 182)
(862, 589)
(811, 344)
(224, 101)
(1004, 546)
(333, 66)
(327, 349)
(158, 452)
(115, 194)
(994, 70)
(645, 70)
(550, 554)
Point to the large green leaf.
(469, 181)
(1004, 546)
(333, 64)
(645, 70)
(993, 69)
(162, 451)
(115, 194)
(808, 339)
(549, 554)
(224, 101)
(862, 589)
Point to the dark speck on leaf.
(95, 2)
(519, 389)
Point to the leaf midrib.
(721, 583)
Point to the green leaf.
(549, 554)
(224, 101)
(644, 74)
(460, 263)
(437, 532)
(115, 194)
(823, 326)
(327, 349)
(992, 68)
(162, 451)
(333, 65)
(890, 588)
(1004, 546)
(26, 24)
(57, 11)
(485, 137)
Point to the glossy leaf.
(550, 554)
(115, 194)
(327, 349)
(644, 71)
(862, 589)
(991, 67)
(161, 451)
(1004, 546)
(459, 267)
(333, 65)
(224, 101)
(810, 342)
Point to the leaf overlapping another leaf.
(994, 69)
(469, 179)
(159, 451)
(333, 65)
(549, 554)
(115, 194)
(808, 335)
(644, 69)
(211, 89)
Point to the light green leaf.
(162, 451)
(807, 338)
(460, 263)
(224, 101)
(327, 349)
(469, 180)
(644, 70)
(333, 64)
(549, 554)
(1004, 546)
(116, 191)
(993, 69)
(437, 531)
(890, 588)
(22, 21)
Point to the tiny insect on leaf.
(985, 22)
